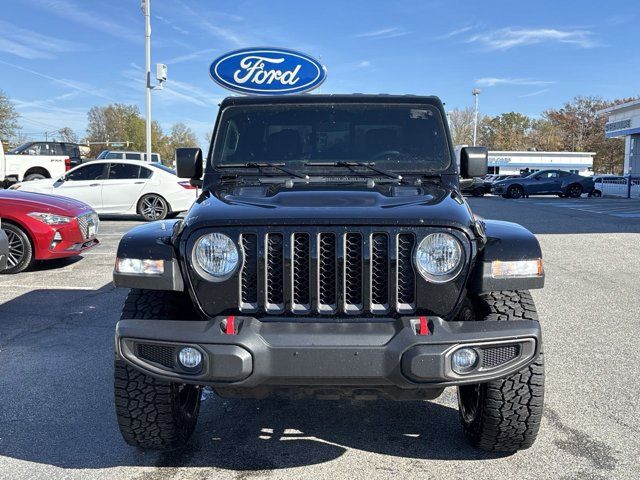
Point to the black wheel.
(574, 191)
(34, 176)
(153, 207)
(504, 415)
(515, 191)
(20, 249)
(561, 195)
(596, 193)
(478, 192)
(151, 413)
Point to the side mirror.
(189, 162)
(474, 162)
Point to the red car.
(44, 227)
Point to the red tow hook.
(230, 327)
(423, 327)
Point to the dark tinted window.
(70, 149)
(133, 156)
(122, 171)
(397, 137)
(92, 171)
(113, 155)
(145, 172)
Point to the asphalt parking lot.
(57, 418)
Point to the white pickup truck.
(30, 165)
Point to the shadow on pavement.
(56, 357)
(546, 215)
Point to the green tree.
(508, 131)
(115, 123)
(582, 130)
(9, 127)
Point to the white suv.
(126, 155)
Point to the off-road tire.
(504, 415)
(478, 192)
(151, 413)
(21, 255)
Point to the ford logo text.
(267, 71)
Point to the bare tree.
(9, 127)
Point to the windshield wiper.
(260, 166)
(369, 165)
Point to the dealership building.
(624, 121)
(517, 162)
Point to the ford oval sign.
(267, 71)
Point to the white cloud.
(225, 33)
(173, 90)
(533, 94)
(455, 32)
(172, 25)
(79, 13)
(510, 37)
(384, 33)
(188, 56)
(364, 64)
(494, 81)
(73, 84)
(31, 45)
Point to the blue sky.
(58, 58)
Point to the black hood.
(434, 205)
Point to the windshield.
(400, 138)
(19, 149)
(162, 167)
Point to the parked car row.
(58, 217)
(544, 182)
(38, 160)
(122, 187)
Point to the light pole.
(146, 9)
(475, 92)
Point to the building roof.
(622, 106)
(538, 153)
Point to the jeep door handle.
(138, 183)
(94, 185)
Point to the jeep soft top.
(330, 254)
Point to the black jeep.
(330, 255)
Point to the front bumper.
(316, 353)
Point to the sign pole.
(146, 6)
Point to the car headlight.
(50, 218)
(439, 257)
(216, 256)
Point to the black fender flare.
(151, 241)
(505, 241)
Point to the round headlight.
(438, 256)
(216, 255)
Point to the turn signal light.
(139, 266)
(517, 268)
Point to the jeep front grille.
(327, 272)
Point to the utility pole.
(475, 92)
(146, 9)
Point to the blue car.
(545, 182)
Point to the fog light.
(190, 357)
(464, 360)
